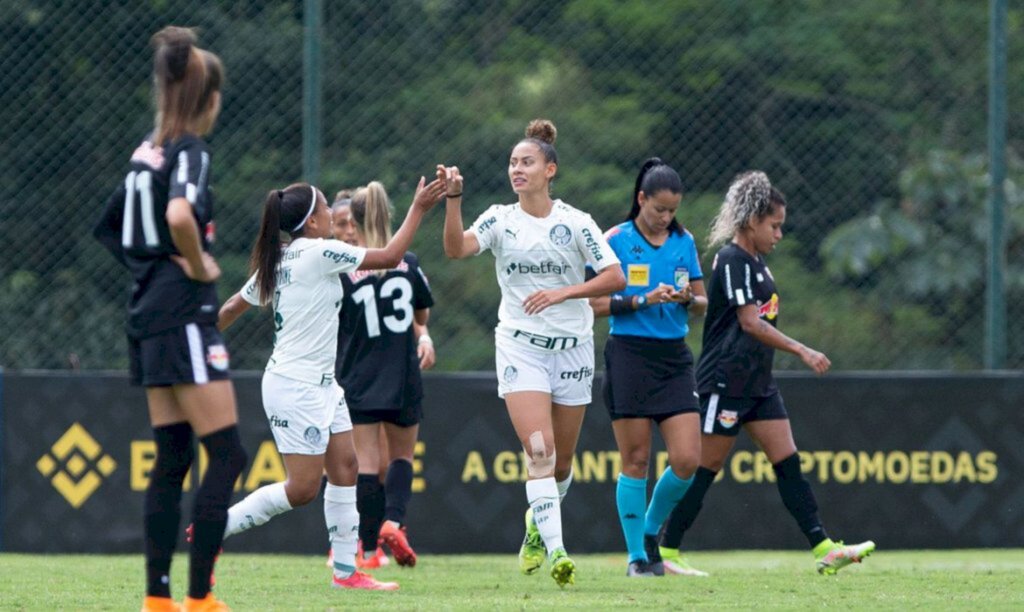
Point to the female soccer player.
(305, 406)
(734, 375)
(544, 349)
(156, 224)
(648, 367)
(382, 346)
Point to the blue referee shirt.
(645, 267)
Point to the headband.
(312, 205)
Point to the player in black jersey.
(159, 225)
(734, 374)
(382, 346)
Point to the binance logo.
(76, 465)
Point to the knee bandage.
(539, 462)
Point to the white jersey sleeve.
(486, 228)
(250, 293)
(594, 246)
(337, 257)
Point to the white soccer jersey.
(531, 254)
(306, 306)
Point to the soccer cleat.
(398, 542)
(639, 569)
(377, 561)
(563, 570)
(533, 552)
(206, 604)
(830, 557)
(677, 564)
(654, 563)
(366, 582)
(160, 604)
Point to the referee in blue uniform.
(649, 369)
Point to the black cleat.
(654, 564)
(639, 569)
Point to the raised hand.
(452, 180)
(428, 194)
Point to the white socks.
(543, 497)
(563, 485)
(257, 508)
(342, 527)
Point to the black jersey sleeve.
(734, 273)
(190, 172)
(422, 297)
(108, 228)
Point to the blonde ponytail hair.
(371, 210)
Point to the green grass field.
(965, 579)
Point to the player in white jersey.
(544, 350)
(304, 405)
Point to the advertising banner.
(910, 461)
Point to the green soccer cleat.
(830, 557)
(563, 569)
(532, 553)
(676, 564)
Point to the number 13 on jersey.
(397, 289)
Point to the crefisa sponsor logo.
(583, 373)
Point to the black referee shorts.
(193, 354)
(403, 417)
(724, 416)
(648, 378)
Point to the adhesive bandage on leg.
(539, 463)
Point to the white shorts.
(303, 416)
(568, 375)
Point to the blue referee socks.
(667, 493)
(631, 500)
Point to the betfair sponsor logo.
(76, 465)
(547, 267)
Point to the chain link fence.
(869, 115)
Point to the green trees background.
(869, 115)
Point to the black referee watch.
(641, 302)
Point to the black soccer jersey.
(134, 228)
(377, 364)
(734, 363)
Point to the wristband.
(453, 196)
(425, 339)
(620, 305)
(641, 302)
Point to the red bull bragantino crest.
(770, 309)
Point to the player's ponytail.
(284, 210)
(542, 132)
(750, 197)
(185, 78)
(371, 210)
(655, 175)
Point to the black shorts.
(723, 415)
(404, 417)
(648, 378)
(192, 354)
